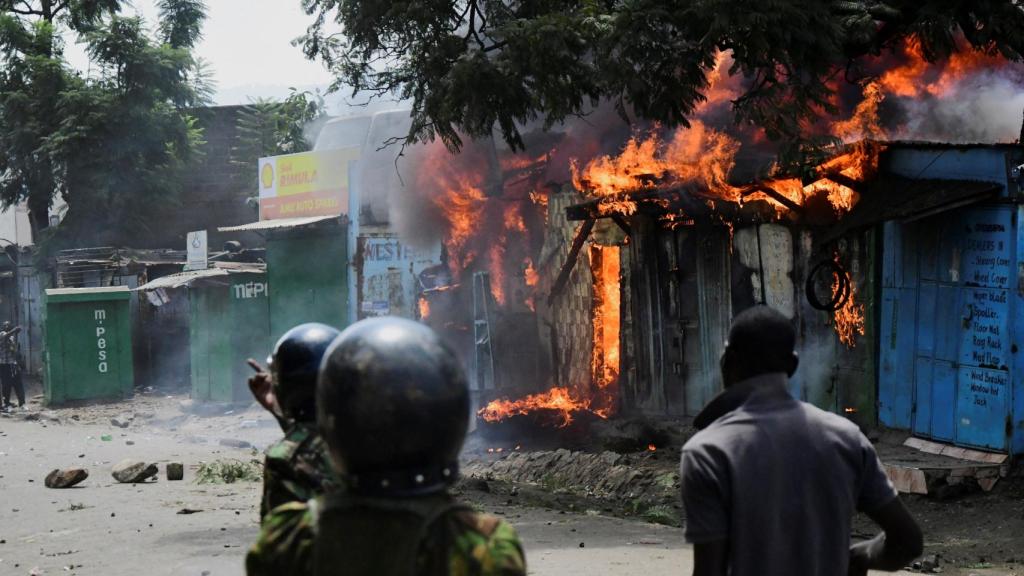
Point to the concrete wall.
(215, 194)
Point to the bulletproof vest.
(361, 536)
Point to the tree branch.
(60, 8)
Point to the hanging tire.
(839, 297)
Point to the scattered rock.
(930, 564)
(129, 442)
(66, 478)
(234, 443)
(477, 484)
(122, 420)
(175, 471)
(188, 511)
(133, 471)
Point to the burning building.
(596, 274)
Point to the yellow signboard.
(305, 184)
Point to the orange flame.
(605, 267)
(461, 206)
(514, 218)
(424, 306)
(704, 157)
(865, 123)
(486, 212)
(557, 399)
(532, 278)
(652, 448)
(530, 273)
(697, 154)
(915, 77)
(849, 319)
(607, 318)
(497, 271)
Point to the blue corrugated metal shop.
(952, 297)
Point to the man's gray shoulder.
(839, 426)
(720, 431)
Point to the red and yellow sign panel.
(305, 184)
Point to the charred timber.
(570, 261)
(650, 202)
(773, 194)
(542, 425)
(620, 221)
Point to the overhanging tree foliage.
(113, 143)
(471, 65)
(268, 127)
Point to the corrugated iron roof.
(276, 224)
(95, 290)
(185, 278)
(896, 198)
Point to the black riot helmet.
(393, 407)
(294, 365)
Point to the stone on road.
(133, 471)
(66, 478)
(175, 471)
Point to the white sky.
(248, 45)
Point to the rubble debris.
(133, 471)
(930, 564)
(475, 484)
(66, 478)
(234, 443)
(175, 471)
(189, 511)
(629, 435)
(229, 472)
(122, 420)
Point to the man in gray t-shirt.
(770, 484)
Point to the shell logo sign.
(305, 184)
(267, 175)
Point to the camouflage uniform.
(460, 542)
(297, 468)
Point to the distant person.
(393, 407)
(771, 484)
(10, 365)
(297, 467)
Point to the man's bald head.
(761, 341)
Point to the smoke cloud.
(984, 107)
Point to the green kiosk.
(88, 352)
(228, 324)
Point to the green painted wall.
(229, 324)
(307, 270)
(88, 345)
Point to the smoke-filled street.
(506, 287)
(187, 528)
(104, 527)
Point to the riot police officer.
(297, 467)
(393, 408)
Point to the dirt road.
(110, 529)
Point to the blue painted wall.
(951, 318)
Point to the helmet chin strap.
(404, 483)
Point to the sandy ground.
(110, 529)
